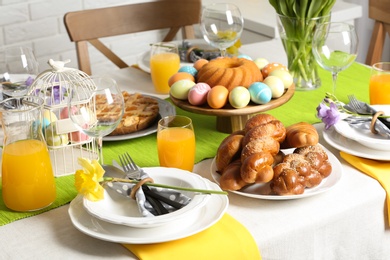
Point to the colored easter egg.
(285, 76)
(189, 69)
(54, 139)
(260, 62)
(244, 56)
(276, 85)
(180, 89)
(217, 96)
(271, 67)
(198, 94)
(239, 97)
(200, 63)
(260, 93)
(179, 76)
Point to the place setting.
(142, 208)
(363, 129)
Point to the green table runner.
(302, 107)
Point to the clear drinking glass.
(27, 173)
(96, 112)
(176, 142)
(335, 47)
(221, 25)
(164, 62)
(18, 68)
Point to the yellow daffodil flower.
(87, 180)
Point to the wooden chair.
(90, 25)
(379, 10)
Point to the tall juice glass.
(27, 175)
(176, 142)
(164, 62)
(380, 83)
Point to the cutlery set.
(381, 125)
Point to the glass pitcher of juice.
(27, 174)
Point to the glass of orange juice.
(176, 142)
(380, 83)
(27, 173)
(164, 62)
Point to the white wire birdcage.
(64, 141)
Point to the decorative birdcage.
(65, 142)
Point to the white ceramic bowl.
(364, 136)
(119, 209)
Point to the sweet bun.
(266, 144)
(287, 183)
(231, 177)
(229, 149)
(300, 135)
(229, 72)
(257, 168)
(274, 129)
(304, 168)
(317, 158)
(259, 119)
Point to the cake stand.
(231, 119)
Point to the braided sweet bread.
(305, 168)
(255, 148)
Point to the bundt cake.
(230, 72)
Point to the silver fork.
(134, 172)
(360, 107)
(365, 109)
(130, 168)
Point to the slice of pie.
(140, 112)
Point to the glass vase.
(296, 35)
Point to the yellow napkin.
(227, 239)
(378, 170)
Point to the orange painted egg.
(217, 96)
(180, 76)
(267, 69)
(199, 63)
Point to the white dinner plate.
(364, 136)
(204, 218)
(143, 59)
(342, 143)
(262, 191)
(119, 209)
(165, 109)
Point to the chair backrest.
(90, 25)
(379, 10)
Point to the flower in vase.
(297, 21)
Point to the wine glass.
(96, 108)
(18, 68)
(334, 47)
(221, 25)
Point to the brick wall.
(39, 25)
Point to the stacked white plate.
(359, 142)
(116, 218)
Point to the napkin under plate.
(227, 239)
(378, 170)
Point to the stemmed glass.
(335, 47)
(221, 25)
(96, 108)
(18, 68)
